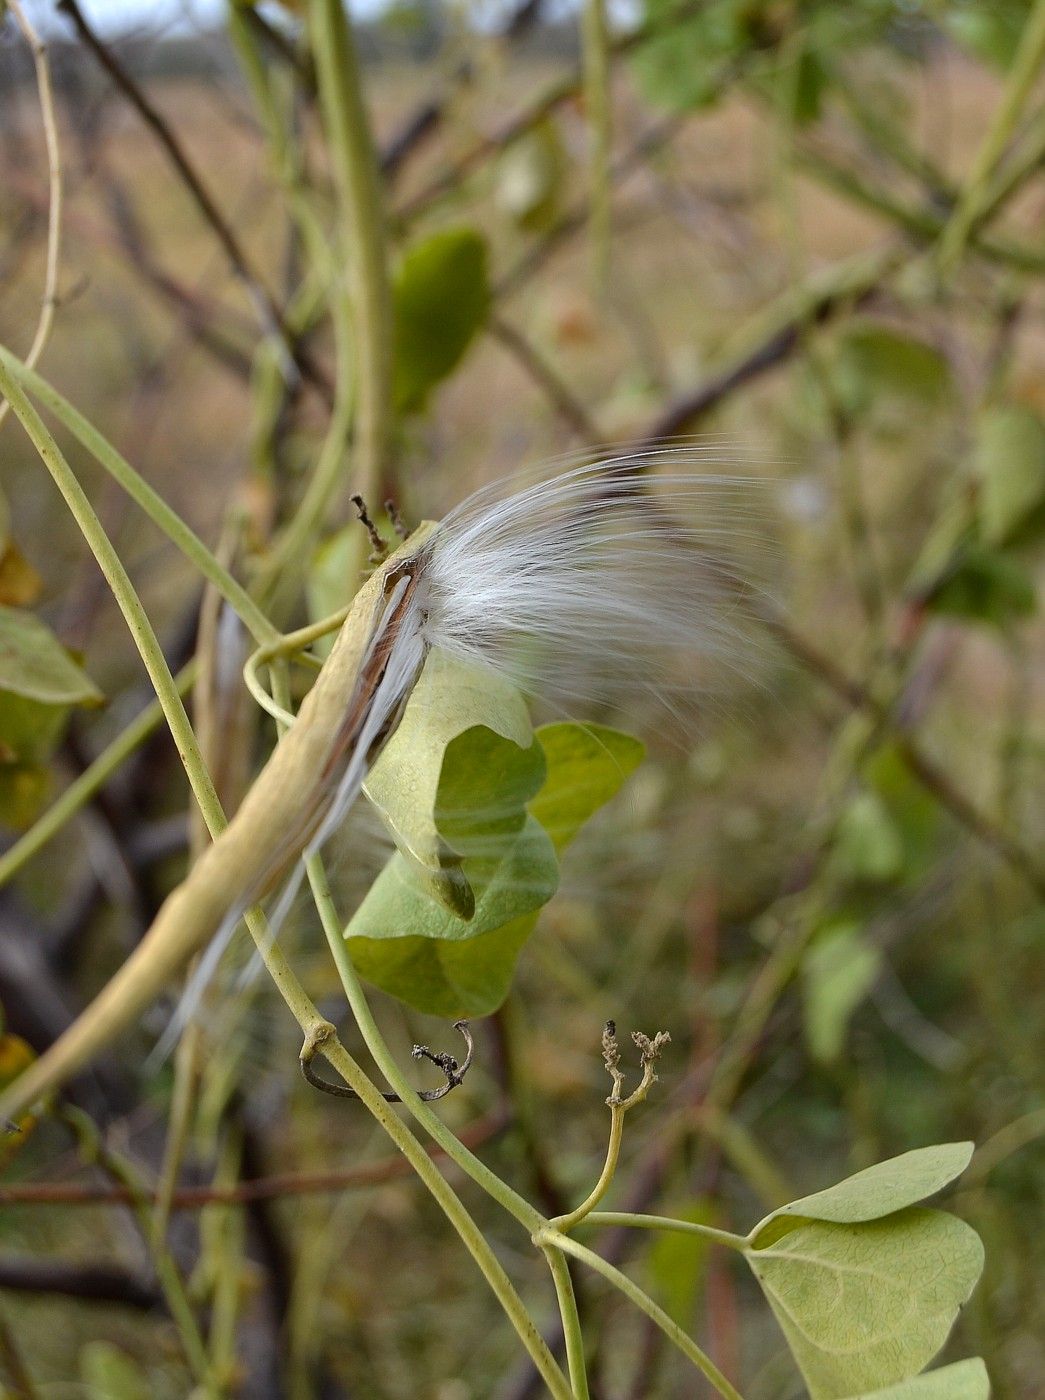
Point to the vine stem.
(94, 1147)
(609, 1167)
(361, 207)
(139, 490)
(597, 99)
(609, 1218)
(404, 1139)
(1026, 66)
(526, 1214)
(573, 1336)
(127, 599)
(653, 1311)
(49, 302)
(516, 1205)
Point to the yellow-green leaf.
(398, 904)
(867, 1304)
(879, 1190)
(838, 971)
(35, 665)
(109, 1373)
(587, 764)
(964, 1380)
(441, 299)
(444, 978)
(454, 779)
(1010, 464)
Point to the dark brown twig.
(563, 400)
(92, 1283)
(262, 1188)
(271, 316)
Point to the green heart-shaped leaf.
(35, 665)
(871, 1303)
(454, 779)
(1010, 463)
(879, 1190)
(441, 300)
(838, 971)
(408, 939)
(399, 905)
(964, 1380)
(587, 764)
(442, 977)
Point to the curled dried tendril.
(455, 1071)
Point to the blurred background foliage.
(823, 253)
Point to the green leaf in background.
(454, 779)
(869, 1304)
(39, 683)
(992, 32)
(35, 665)
(679, 69)
(24, 788)
(531, 175)
(109, 1373)
(913, 810)
(587, 764)
(807, 86)
(874, 359)
(20, 584)
(964, 1380)
(444, 978)
(405, 941)
(867, 845)
(441, 299)
(16, 1055)
(677, 1262)
(400, 903)
(985, 585)
(1009, 461)
(880, 1190)
(839, 969)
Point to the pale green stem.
(656, 1314)
(450, 1203)
(566, 1222)
(599, 111)
(492, 1184)
(362, 216)
(291, 551)
(619, 1108)
(530, 1218)
(1023, 74)
(153, 504)
(287, 645)
(571, 1322)
(607, 1219)
(123, 590)
(222, 1236)
(419, 1159)
(404, 1139)
(95, 776)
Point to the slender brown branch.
(265, 1188)
(561, 396)
(554, 97)
(92, 1283)
(931, 776)
(271, 316)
